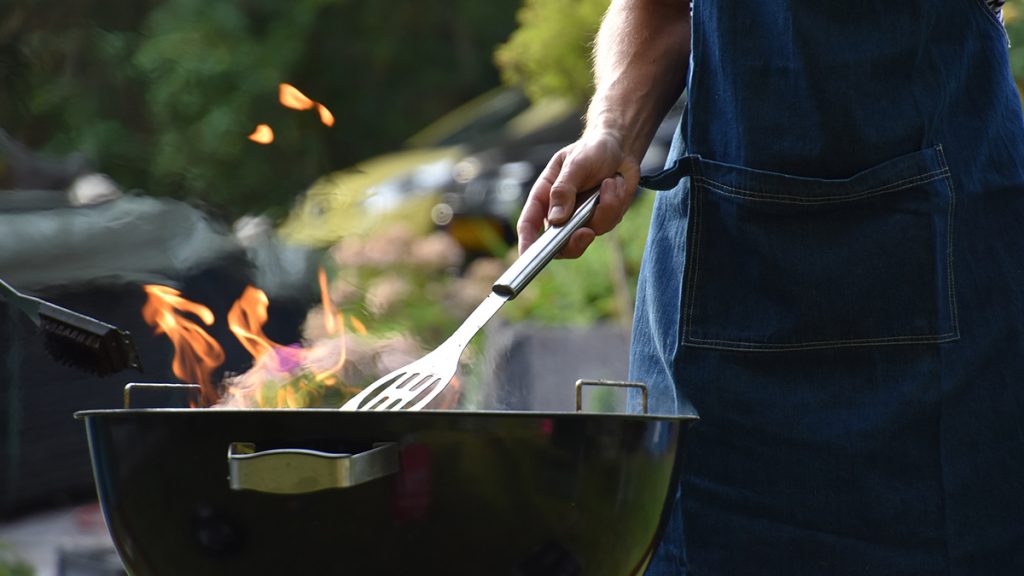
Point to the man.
(835, 281)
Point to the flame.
(246, 319)
(291, 97)
(263, 134)
(334, 324)
(292, 376)
(330, 316)
(325, 115)
(196, 353)
(358, 326)
(285, 376)
(448, 399)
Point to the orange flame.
(281, 376)
(290, 97)
(358, 326)
(196, 353)
(330, 315)
(263, 134)
(325, 115)
(246, 319)
(449, 397)
(334, 324)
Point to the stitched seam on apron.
(949, 246)
(768, 347)
(696, 200)
(994, 19)
(790, 199)
(691, 281)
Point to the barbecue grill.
(312, 491)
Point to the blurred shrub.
(599, 287)
(11, 565)
(161, 94)
(1015, 31)
(549, 54)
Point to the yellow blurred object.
(542, 113)
(337, 204)
(1010, 13)
(354, 200)
(481, 234)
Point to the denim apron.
(835, 284)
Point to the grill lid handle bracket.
(611, 383)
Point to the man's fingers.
(554, 196)
(615, 199)
(563, 193)
(535, 210)
(531, 221)
(578, 243)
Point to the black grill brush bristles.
(75, 339)
(85, 343)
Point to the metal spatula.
(413, 386)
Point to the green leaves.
(162, 94)
(584, 291)
(11, 565)
(549, 54)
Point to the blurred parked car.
(345, 201)
(483, 197)
(490, 184)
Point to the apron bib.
(834, 284)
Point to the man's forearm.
(640, 61)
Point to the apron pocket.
(778, 262)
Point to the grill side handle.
(580, 384)
(299, 471)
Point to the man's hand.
(593, 160)
(640, 61)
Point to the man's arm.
(640, 60)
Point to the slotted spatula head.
(415, 385)
(411, 387)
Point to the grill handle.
(297, 471)
(610, 383)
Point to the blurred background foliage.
(1015, 30)
(549, 53)
(161, 94)
(11, 564)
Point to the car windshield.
(477, 119)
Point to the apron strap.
(671, 175)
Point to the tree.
(549, 54)
(161, 95)
(1015, 32)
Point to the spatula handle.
(537, 256)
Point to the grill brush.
(75, 339)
